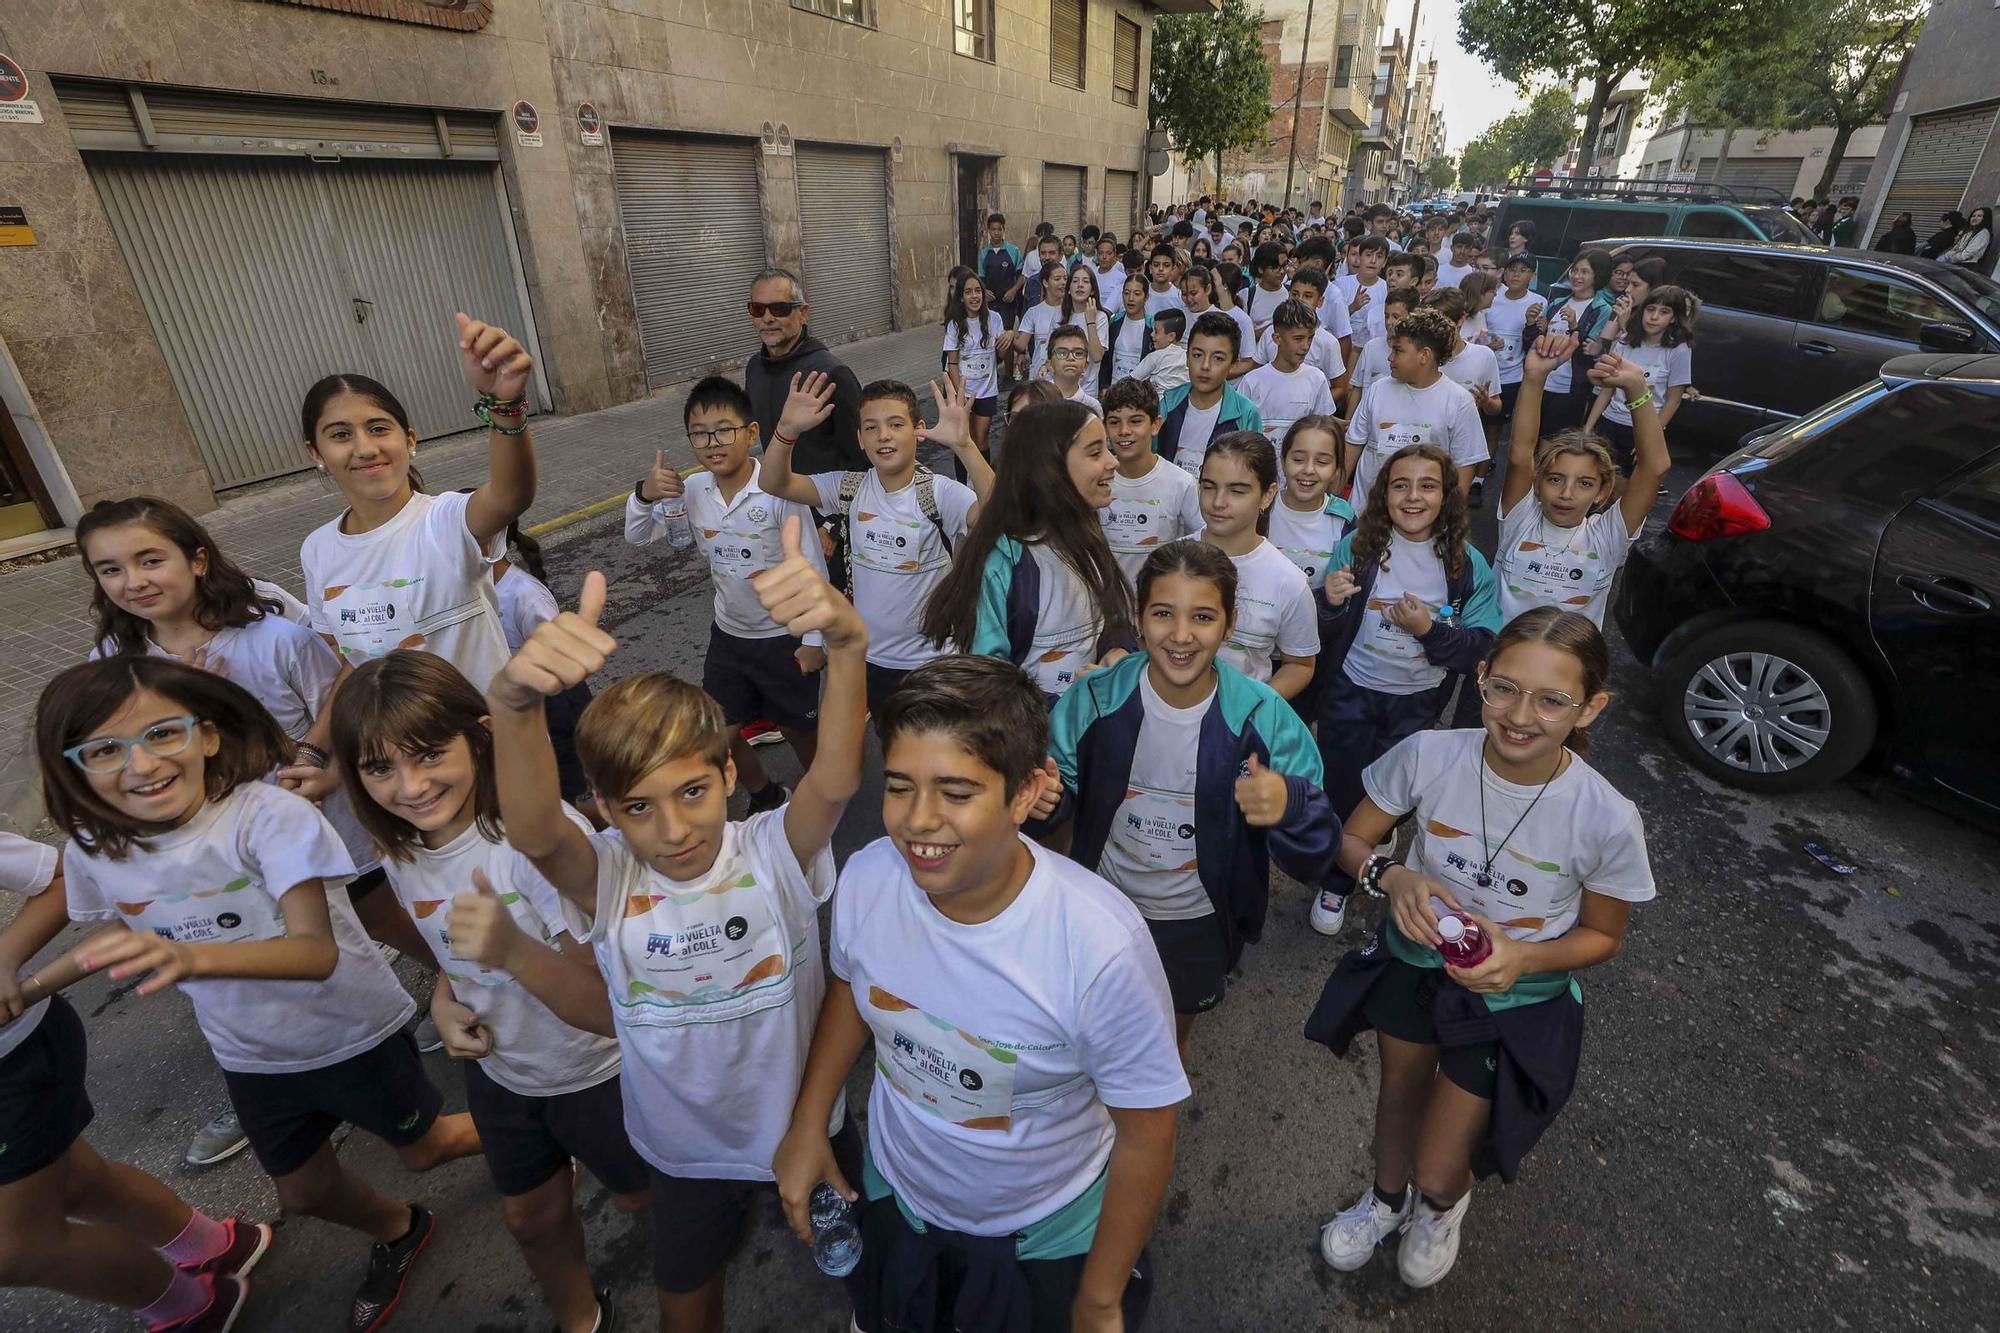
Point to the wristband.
(486, 412)
(779, 437)
(310, 755)
(1370, 878)
(1640, 401)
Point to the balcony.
(1350, 103)
(1379, 132)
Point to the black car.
(1827, 593)
(1784, 328)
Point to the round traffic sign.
(13, 80)
(526, 119)
(587, 117)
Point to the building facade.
(1375, 168)
(1941, 146)
(1327, 43)
(218, 201)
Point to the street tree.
(1211, 85)
(1804, 65)
(1441, 173)
(1536, 135)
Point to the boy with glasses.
(1069, 357)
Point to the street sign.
(13, 80)
(527, 125)
(1156, 162)
(590, 125)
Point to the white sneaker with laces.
(1430, 1244)
(1329, 912)
(1349, 1240)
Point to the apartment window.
(1343, 68)
(1066, 42)
(848, 11)
(1125, 62)
(972, 28)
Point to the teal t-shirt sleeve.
(989, 634)
(1070, 718)
(1482, 610)
(1252, 417)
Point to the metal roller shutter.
(844, 234)
(694, 241)
(1771, 173)
(1937, 162)
(260, 275)
(1851, 176)
(1062, 198)
(1121, 201)
(104, 116)
(1066, 42)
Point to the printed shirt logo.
(1540, 573)
(892, 545)
(1129, 524)
(705, 954)
(1460, 870)
(228, 913)
(370, 619)
(941, 1069)
(1155, 829)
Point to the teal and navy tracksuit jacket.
(1461, 633)
(1235, 413)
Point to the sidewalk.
(588, 464)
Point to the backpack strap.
(927, 502)
(850, 486)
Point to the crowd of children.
(1193, 607)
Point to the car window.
(1975, 289)
(1549, 218)
(1779, 225)
(1903, 445)
(1878, 306)
(1759, 284)
(1718, 224)
(1594, 224)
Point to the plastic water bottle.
(672, 513)
(836, 1240)
(1465, 944)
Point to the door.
(1062, 199)
(1933, 609)
(844, 234)
(971, 208)
(1750, 305)
(694, 242)
(1761, 173)
(24, 507)
(1121, 201)
(1857, 320)
(1938, 159)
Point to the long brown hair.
(410, 702)
(1569, 632)
(224, 597)
(1449, 534)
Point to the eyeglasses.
(1549, 705)
(775, 309)
(1068, 354)
(110, 754)
(722, 435)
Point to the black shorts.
(760, 679)
(697, 1222)
(530, 1139)
(365, 883)
(1196, 958)
(1399, 1004)
(988, 406)
(882, 682)
(1624, 450)
(384, 1090)
(44, 1107)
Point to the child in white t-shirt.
(1026, 1074)
(1662, 347)
(706, 931)
(1307, 522)
(1274, 615)
(1362, 289)
(1513, 320)
(1152, 501)
(1287, 387)
(973, 334)
(218, 881)
(1069, 359)
(1373, 362)
(1165, 368)
(1308, 288)
(1416, 404)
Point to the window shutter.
(1125, 62)
(1066, 42)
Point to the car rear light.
(1717, 506)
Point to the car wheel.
(1768, 707)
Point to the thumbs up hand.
(561, 653)
(798, 596)
(1052, 789)
(662, 482)
(492, 359)
(479, 926)
(1261, 795)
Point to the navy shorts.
(882, 682)
(1509, 395)
(757, 679)
(530, 1139)
(986, 407)
(288, 1117)
(1195, 956)
(43, 1105)
(1400, 1004)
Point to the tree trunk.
(1600, 97)
(1841, 135)
(1218, 173)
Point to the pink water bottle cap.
(1451, 929)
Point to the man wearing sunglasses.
(778, 312)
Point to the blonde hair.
(643, 722)
(1588, 444)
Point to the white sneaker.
(1329, 912)
(1430, 1244)
(1349, 1240)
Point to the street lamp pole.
(1298, 99)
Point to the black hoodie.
(835, 444)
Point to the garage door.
(1851, 176)
(1937, 162)
(1121, 200)
(1770, 173)
(262, 270)
(1062, 199)
(844, 232)
(694, 241)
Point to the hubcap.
(1757, 712)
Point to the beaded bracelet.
(487, 408)
(1372, 871)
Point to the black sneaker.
(1475, 494)
(389, 1264)
(773, 796)
(231, 1295)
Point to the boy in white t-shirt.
(706, 930)
(1163, 272)
(1069, 357)
(1288, 388)
(1373, 363)
(1165, 367)
(1464, 259)
(753, 669)
(1026, 1077)
(1328, 351)
(902, 521)
(1511, 322)
(1416, 405)
(1152, 502)
(1363, 290)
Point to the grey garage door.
(1121, 201)
(844, 234)
(1936, 164)
(694, 241)
(1771, 173)
(1062, 199)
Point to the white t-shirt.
(1370, 320)
(418, 581)
(535, 1053)
(1134, 341)
(1246, 334)
(1665, 367)
(26, 868)
(1450, 274)
(1393, 415)
(1263, 305)
(525, 603)
(1150, 853)
(1283, 397)
(1333, 319)
(744, 535)
(1067, 624)
(1274, 613)
(1324, 356)
(1171, 299)
(715, 987)
(1307, 538)
(899, 559)
(1477, 369)
(1580, 835)
(1083, 395)
(975, 355)
(1165, 369)
(1160, 507)
(1565, 318)
(1537, 563)
(1110, 286)
(999, 1045)
(1371, 365)
(217, 879)
(1197, 429)
(290, 607)
(1506, 325)
(1384, 656)
(1038, 322)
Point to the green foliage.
(1211, 85)
(1805, 65)
(1536, 135)
(1441, 173)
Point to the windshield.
(1975, 289)
(1778, 225)
(1788, 438)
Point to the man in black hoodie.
(778, 310)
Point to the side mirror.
(1946, 338)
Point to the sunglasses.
(776, 309)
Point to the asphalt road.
(1786, 1117)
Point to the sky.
(1473, 96)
